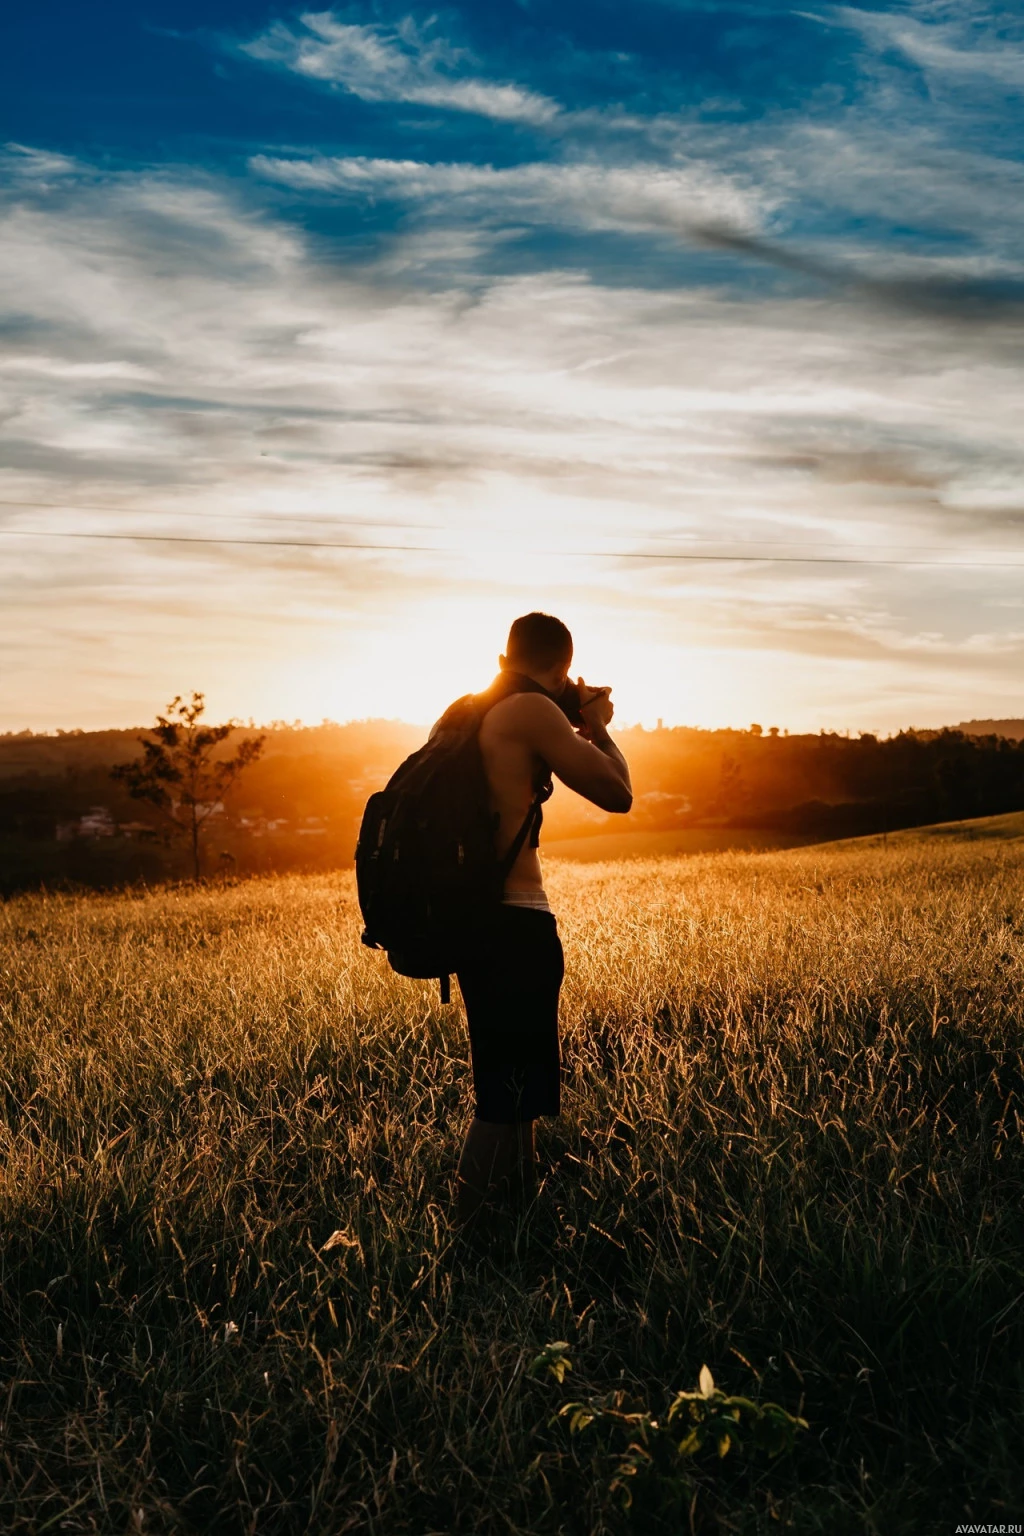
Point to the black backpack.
(427, 869)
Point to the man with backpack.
(511, 979)
(450, 880)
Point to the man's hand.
(597, 710)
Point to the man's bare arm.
(599, 738)
(594, 768)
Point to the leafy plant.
(663, 1449)
(554, 1359)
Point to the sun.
(411, 660)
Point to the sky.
(331, 340)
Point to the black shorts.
(510, 983)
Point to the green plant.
(665, 1448)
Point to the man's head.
(540, 646)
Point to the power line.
(342, 522)
(186, 538)
(234, 517)
(593, 554)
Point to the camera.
(568, 702)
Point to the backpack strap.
(544, 789)
(529, 828)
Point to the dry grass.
(791, 1149)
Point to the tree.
(179, 772)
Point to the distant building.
(97, 822)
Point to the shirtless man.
(510, 985)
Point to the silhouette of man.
(511, 980)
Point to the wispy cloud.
(640, 196)
(720, 208)
(400, 63)
(963, 42)
(23, 162)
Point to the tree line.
(252, 797)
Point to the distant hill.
(649, 845)
(977, 829)
(669, 845)
(1013, 730)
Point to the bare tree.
(179, 772)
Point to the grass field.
(791, 1150)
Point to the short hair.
(538, 640)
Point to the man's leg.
(527, 1191)
(496, 1159)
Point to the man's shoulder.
(522, 709)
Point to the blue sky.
(545, 295)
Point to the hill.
(612, 847)
(1008, 828)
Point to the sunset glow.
(525, 325)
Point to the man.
(510, 983)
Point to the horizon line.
(56, 733)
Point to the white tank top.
(535, 901)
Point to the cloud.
(715, 208)
(401, 63)
(191, 361)
(640, 196)
(964, 49)
(952, 295)
(885, 169)
(22, 162)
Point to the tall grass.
(790, 1149)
